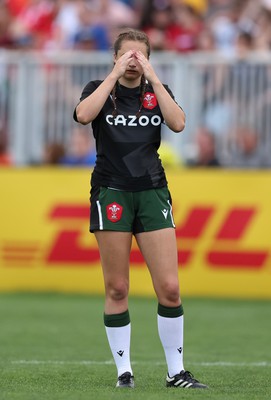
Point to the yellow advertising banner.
(223, 228)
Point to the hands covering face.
(134, 60)
(147, 69)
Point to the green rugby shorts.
(117, 210)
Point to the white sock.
(171, 336)
(119, 341)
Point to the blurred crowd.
(179, 25)
(79, 150)
(230, 28)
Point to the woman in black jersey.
(129, 196)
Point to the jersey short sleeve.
(87, 91)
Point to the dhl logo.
(224, 249)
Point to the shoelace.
(188, 376)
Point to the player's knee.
(118, 292)
(171, 293)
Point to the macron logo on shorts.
(164, 212)
(114, 212)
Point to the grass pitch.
(53, 346)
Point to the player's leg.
(159, 250)
(160, 253)
(115, 250)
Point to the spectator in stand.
(172, 25)
(224, 25)
(238, 92)
(80, 151)
(228, 18)
(53, 153)
(91, 25)
(262, 31)
(91, 38)
(247, 82)
(33, 26)
(183, 35)
(66, 23)
(156, 26)
(92, 33)
(203, 153)
(211, 75)
(6, 39)
(215, 112)
(78, 24)
(247, 149)
(117, 14)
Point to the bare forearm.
(88, 109)
(173, 115)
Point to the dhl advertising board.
(223, 228)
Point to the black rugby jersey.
(127, 157)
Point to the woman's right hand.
(120, 64)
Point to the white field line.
(111, 362)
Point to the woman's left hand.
(146, 66)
